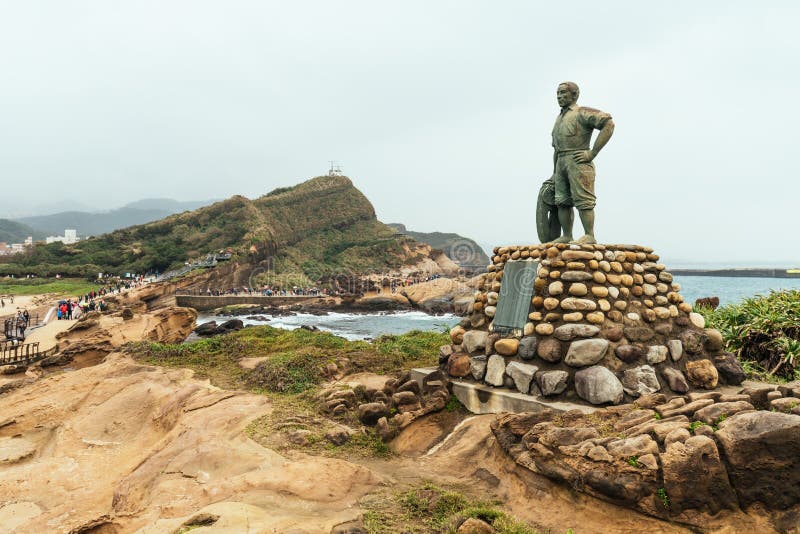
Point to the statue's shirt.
(573, 127)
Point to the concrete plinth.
(481, 399)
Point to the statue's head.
(567, 93)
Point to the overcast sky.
(439, 111)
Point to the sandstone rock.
(759, 395)
(675, 349)
(634, 446)
(549, 349)
(571, 303)
(702, 373)
(458, 365)
(599, 277)
(596, 317)
(495, 370)
(572, 255)
(711, 415)
(568, 332)
(586, 352)
(491, 339)
(598, 385)
(762, 452)
(522, 374)
(729, 368)
(489, 311)
(698, 320)
(678, 435)
(206, 329)
(552, 382)
(477, 367)
(506, 347)
(474, 340)
(675, 380)
(629, 353)
(640, 381)
(544, 329)
(573, 317)
(457, 334)
(786, 405)
(551, 303)
(692, 341)
(444, 353)
(528, 329)
(656, 354)
(695, 478)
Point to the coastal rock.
(569, 332)
(598, 385)
(495, 370)
(586, 352)
(713, 341)
(762, 451)
(629, 353)
(458, 365)
(697, 320)
(710, 415)
(507, 346)
(729, 368)
(527, 347)
(675, 349)
(474, 340)
(477, 367)
(549, 349)
(657, 354)
(522, 374)
(702, 373)
(457, 334)
(369, 413)
(695, 478)
(675, 380)
(640, 381)
(552, 382)
(692, 341)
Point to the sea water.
(355, 326)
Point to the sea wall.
(209, 302)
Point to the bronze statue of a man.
(572, 183)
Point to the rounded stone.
(614, 279)
(549, 350)
(621, 305)
(568, 332)
(573, 317)
(637, 279)
(637, 268)
(685, 307)
(650, 290)
(648, 303)
(552, 317)
(506, 347)
(714, 341)
(615, 315)
(489, 311)
(595, 317)
(578, 289)
(550, 303)
(575, 266)
(698, 320)
(650, 278)
(617, 267)
(657, 354)
(600, 291)
(555, 275)
(604, 305)
(633, 317)
(612, 334)
(593, 265)
(626, 280)
(544, 329)
(674, 298)
(535, 316)
(556, 288)
(661, 312)
(459, 365)
(661, 300)
(637, 291)
(576, 276)
(457, 334)
(537, 302)
(649, 315)
(624, 292)
(605, 266)
(586, 352)
(527, 330)
(599, 277)
(527, 347)
(640, 380)
(673, 311)
(629, 353)
(575, 304)
(675, 380)
(552, 382)
(539, 284)
(664, 276)
(491, 298)
(613, 292)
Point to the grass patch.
(72, 287)
(764, 332)
(428, 508)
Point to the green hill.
(462, 250)
(15, 232)
(319, 227)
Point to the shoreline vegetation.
(763, 332)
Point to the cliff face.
(322, 226)
(465, 252)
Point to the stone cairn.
(605, 321)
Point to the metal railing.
(11, 353)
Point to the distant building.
(15, 248)
(69, 237)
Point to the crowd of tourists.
(267, 291)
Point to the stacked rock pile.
(399, 403)
(606, 321)
(684, 459)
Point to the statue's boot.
(587, 239)
(564, 239)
